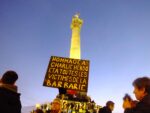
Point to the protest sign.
(67, 73)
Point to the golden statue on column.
(75, 50)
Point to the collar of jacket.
(9, 87)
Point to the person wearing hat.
(9, 97)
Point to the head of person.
(56, 105)
(9, 77)
(141, 87)
(110, 105)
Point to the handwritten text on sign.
(67, 73)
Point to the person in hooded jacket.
(9, 97)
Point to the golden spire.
(75, 50)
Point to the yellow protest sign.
(67, 73)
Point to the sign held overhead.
(67, 73)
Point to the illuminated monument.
(70, 75)
(75, 51)
(59, 63)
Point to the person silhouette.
(9, 97)
(56, 106)
(142, 94)
(108, 108)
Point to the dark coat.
(105, 110)
(142, 107)
(9, 101)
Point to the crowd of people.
(67, 106)
(10, 99)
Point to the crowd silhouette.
(10, 99)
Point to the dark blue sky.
(114, 37)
